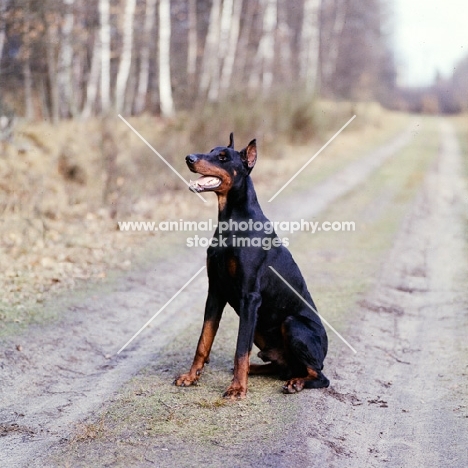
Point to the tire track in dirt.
(402, 400)
(68, 370)
(322, 195)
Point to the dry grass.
(88, 431)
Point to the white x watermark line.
(159, 155)
(161, 309)
(311, 308)
(312, 158)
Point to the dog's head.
(222, 168)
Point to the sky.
(430, 36)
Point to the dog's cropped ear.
(231, 140)
(249, 155)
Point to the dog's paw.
(235, 392)
(293, 386)
(185, 380)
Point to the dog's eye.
(222, 157)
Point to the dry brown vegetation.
(63, 188)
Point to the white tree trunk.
(268, 43)
(242, 58)
(28, 89)
(51, 54)
(2, 42)
(2, 27)
(192, 47)
(126, 56)
(143, 78)
(65, 64)
(93, 79)
(28, 83)
(232, 43)
(210, 53)
(264, 60)
(329, 65)
(165, 87)
(104, 15)
(77, 79)
(222, 46)
(284, 39)
(45, 114)
(310, 44)
(131, 90)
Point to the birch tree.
(210, 60)
(51, 25)
(165, 86)
(105, 39)
(65, 66)
(2, 27)
(310, 44)
(264, 59)
(242, 56)
(192, 46)
(222, 49)
(232, 42)
(333, 41)
(126, 56)
(143, 76)
(28, 89)
(28, 83)
(284, 45)
(93, 79)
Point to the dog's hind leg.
(306, 346)
(270, 353)
(264, 369)
(313, 379)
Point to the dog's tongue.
(205, 182)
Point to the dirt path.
(321, 196)
(65, 371)
(409, 328)
(402, 400)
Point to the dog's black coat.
(290, 335)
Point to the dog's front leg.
(247, 320)
(213, 312)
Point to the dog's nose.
(191, 159)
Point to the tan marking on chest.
(232, 267)
(222, 200)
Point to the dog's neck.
(240, 203)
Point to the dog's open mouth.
(205, 182)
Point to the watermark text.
(267, 227)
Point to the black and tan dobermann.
(290, 336)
